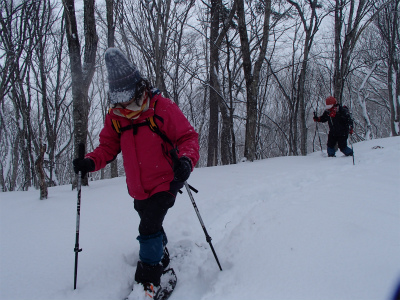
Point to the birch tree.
(361, 101)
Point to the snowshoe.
(167, 285)
(142, 291)
(149, 291)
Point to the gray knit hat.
(123, 76)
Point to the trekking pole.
(315, 133)
(81, 155)
(316, 130)
(352, 149)
(176, 161)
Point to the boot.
(147, 274)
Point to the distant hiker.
(340, 125)
(145, 126)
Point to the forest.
(248, 75)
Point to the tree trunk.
(252, 76)
(217, 100)
(50, 105)
(41, 173)
(231, 108)
(16, 160)
(387, 23)
(110, 43)
(369, 135)
(212, 158)
(337, 79)
(81, 76)
(110, 23)
(310, 31)
(226, 155)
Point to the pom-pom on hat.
(330, 102)
(123, 76)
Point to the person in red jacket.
(340, 125)
(151, 178)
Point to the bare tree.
(361, 100)
(351, 19)
(217, 101)
(18, 47)
(251, 74)
(387, 21)
(155, 29)
(81, 74)
(311, 25)
(110, 43)
(52, 82)
(231, 84)
(212, 158)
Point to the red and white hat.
(330, 102)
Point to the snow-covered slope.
(284, 228)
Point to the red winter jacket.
(147, 166)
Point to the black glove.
(183, 169)
(83, 165)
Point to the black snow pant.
(152, 237)
(152, 211)
(342, 144)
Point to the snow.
(284, 228)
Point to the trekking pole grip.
(177, 163)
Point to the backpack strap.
(115, 124)
(150, 121)
(134, 127)
(153, 127)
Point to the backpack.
(346, 115)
